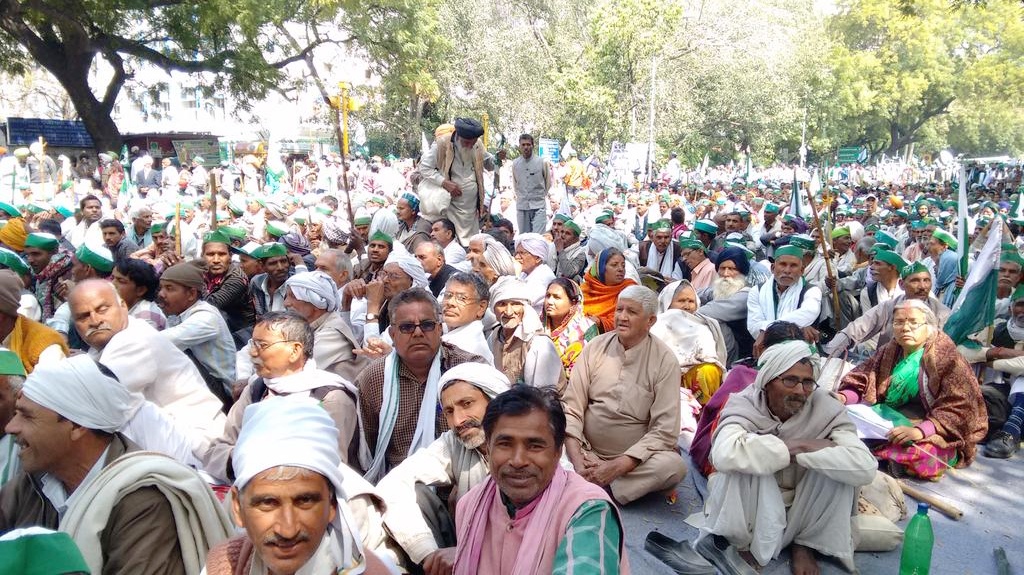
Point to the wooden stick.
(838, 313)
(947, 509)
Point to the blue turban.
(737, 256)
(414, 202)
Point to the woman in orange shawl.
(601, 286)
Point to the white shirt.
(454, 253)
(202, 330)
(164, 375)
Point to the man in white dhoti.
(788, 464)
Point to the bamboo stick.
(947, 509)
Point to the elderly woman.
(697, 340)
(491, 260)
(602, 285)
(533, 252)
(927, 390)
(412, 228)
(522, 351)
(565, 322)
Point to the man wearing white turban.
(401, 271)
(289, 496)
(534, 253)
(416, 518)
(788, 464)
(80, 475)
(522, 349)
(494, 263)
(314, 296)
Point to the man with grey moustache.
(416, 518)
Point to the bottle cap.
(923, 508)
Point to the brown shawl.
(950, 393)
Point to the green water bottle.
(918, 539)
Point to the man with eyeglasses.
(463, 307)
(398, 393)
(280, 348)
(788, 464)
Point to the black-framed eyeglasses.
(427, 326)
(261, 346)
(790, 382)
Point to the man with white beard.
(417, 519)
(726, 299)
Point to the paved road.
(990, 493)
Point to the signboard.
(852, 155)
(187, 150)
(56, 133)
(549, 149)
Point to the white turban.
(488, 380)
(316, 288)
(498, 259)
(780, 357)
(601, 238)
(510, 289)
(535, 244)
(295, 431)
(411, 266)
(76, 389)
(384, 220)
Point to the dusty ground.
(989, 493)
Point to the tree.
(229, 45)
(896, 74)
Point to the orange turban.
(14, 234)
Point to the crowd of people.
(407, 369)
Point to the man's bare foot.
(803, 561)
(749, 558)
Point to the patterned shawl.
(570, 336)
(59, 266)
(950, 393)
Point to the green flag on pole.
(975, 308)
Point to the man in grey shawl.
(788, 464)
(416, 517)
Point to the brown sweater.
(140, 537)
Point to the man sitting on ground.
(398, 392)
(622, 405)
(314, 296)
(788, 463)
(79, 474)
(289, 496)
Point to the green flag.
(975, 308)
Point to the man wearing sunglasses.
(398, 392)
(788, 465)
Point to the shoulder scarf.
(599, 299)
(788, 300)
(668, 264)
(424, 434)
(570, 336)
(60, 264)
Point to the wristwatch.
(371, 317)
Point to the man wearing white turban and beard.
(521, 348)
(289, 496)
(314, 296)
(788, 464)
(123, 508)
(417, 519)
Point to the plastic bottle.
(916, 558)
